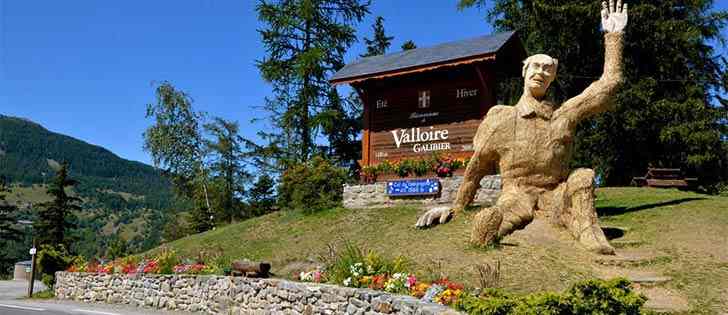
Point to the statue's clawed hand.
(434, 215)
(614, 16)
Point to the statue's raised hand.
(614, 16)
(434, 215)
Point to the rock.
(649, 280)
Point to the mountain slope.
(122, 200)
(29, 152)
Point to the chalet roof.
(478, 48)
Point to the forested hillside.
(121, 199)
(28, 153)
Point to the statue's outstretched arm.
(599, 95)
(481, 163)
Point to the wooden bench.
(665, 178)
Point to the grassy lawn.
(688, 231)
(691, 230)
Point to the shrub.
(166, 260)
(356, 267)
(586, 297)
(52, 259)
(312, 186)
(606, 297)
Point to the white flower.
(306, 276)
(347, 282)
(370, 269)
(390, 286)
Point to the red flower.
(450, 285)
(151, 267)
(378, 282)
(128, 269)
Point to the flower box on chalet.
(432, 99)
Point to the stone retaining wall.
(234, 295)
(375, 195)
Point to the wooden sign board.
(418, 115)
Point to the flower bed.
(356, 268)
(435, 165)
(166, 262)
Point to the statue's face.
(538, 73)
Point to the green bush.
(312, 186)
(586, 297)
(352, 259)
(166, 260)
(50, 260)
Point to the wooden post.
(32, 270)
(365, 142)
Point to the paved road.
(12, 302)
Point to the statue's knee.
(582, 178)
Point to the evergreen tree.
(56, 217)
(380, 43)
(305, 42)
(227, 165)
(8, 231)
(409, 45)
(262, 196)
(666, 114)
(344, 129)
(201, 219)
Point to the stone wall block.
(228, 295)
(375, 195)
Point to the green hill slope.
(28, 153)
(683, 234)
(120, 197)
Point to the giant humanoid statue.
(531, 144)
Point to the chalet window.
(423, 101)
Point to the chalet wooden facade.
(430, 99)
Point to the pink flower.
(317, 276)
(411, 281)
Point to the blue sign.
(413, 187)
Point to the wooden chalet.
(431, 99)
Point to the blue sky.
(86, 68)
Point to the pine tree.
(261, 197)
(380, 43)
(9, 233)
(305, 42)
(409, 45)
(201, 219)
(344, 129)
(667, 113)
(227, 165)
(56, 217)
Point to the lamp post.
(33, 250)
